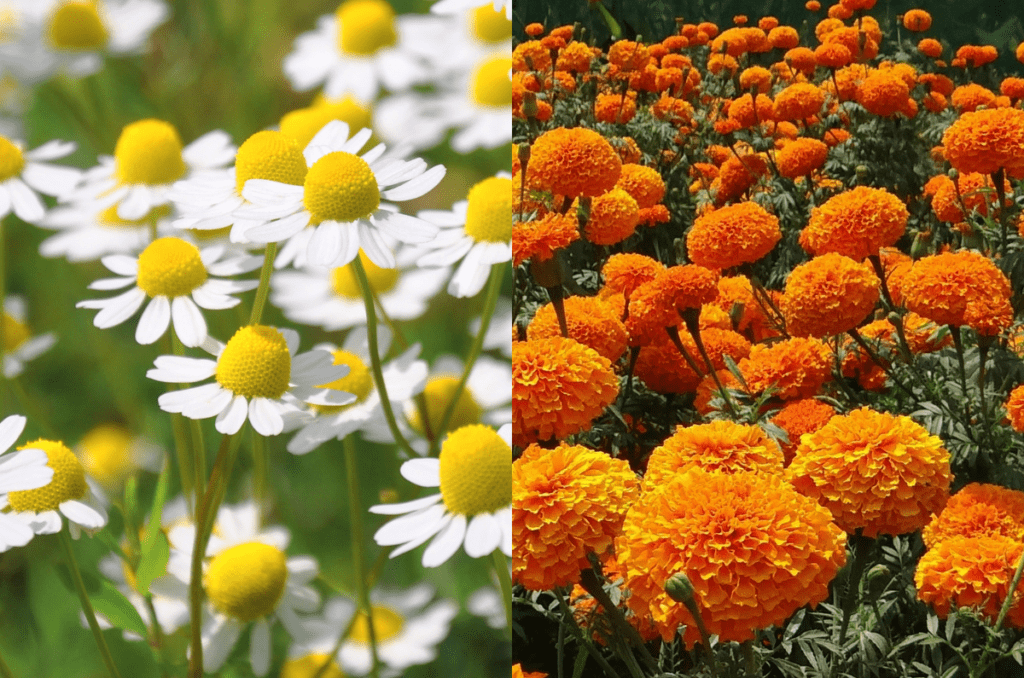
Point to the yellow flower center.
(491, 26)
(491, 85)
(105, 452)
(108, 217)
(11, 159)
(365, 26)
(345, 284)
(209, 235)
(303, 124)
(68, 480)
(438, 393)
(476, 471)
(341, 187)
(489, 214)
(358, 381)
(15, 333)
(170, 267)
(9, 23)
(308, 665)
(269, 155)
(149, 152)
(247, 581)
(255, 363)
(386, 624)
(77, 26)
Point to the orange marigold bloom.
(753, 549)
(972, 572)
(801, 59)
(722, 62)
(939, 287)
(977, 55)
(935, 102)
(613, 217)
(643, 183)
(688, 286)
(707, 391)
(623, 273)
(833, 55)
(718, 447)
(876, 472)
(917, 20)
(976, 194)
(628, 55)
(783, 37)
(800, 157)
(812, 5)
(589, 320)
(743, 110)
(733, 235)
(854, 5)
(1015, 409)
(1019, 52)
(663, 370)
(737, 175)
(531, 56)
(540, 239)
(989, 317)
(627, 149)
(534, 29)
(834, 137)
(838, 11)
(937, 83)
(883, 93)
(799, 101)
(1013, 88)
(930, 47)
(986, 141)
(574, 162)
(575, 57)
(585, 607)
(559, 386)
(978, 510)
(923, 335)
(566, 503)
(517, 669)
(756, 78)
(795, 368)
(859, 365)
(798, 417)
(830, 294)
(971, 96)
(855, 223)
(736, 297)
(614, 108)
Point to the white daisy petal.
(121, 264)
(482, 536)
(376, 249)
(13, 532)
(136, 204)
(119, 308)
(10, 429)
(24, 470)
(265, 417)
(411, 526)
(265, 193)
(51, 179)
(279, 229)
(329, 242)
(154, 321)
(259, 648)
(182, 370)
(232, 417)
(404, 228)
(107, 284)
(423, 472)
(24, 200)
(405, 507)
(446, 543)
(414, 188)
(219, 637)
(89, 517)
(302, 570)
(51, 150)
(189, 324)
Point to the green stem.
(260, 461)
(264, 289)
(505, 579)
(5, 671)
(90, 615)
(570, 620)
(355, 511)
(1002, 613)
(861, 546)
(185, 452)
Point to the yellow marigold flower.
(800, 157)
(733, 235)
(574, 162)
(830, 294)
(613, 217)
(566, 503)
(590, 321)
(876, 472)
(798, 417)
(623, 273)
(643, 183)
(978, 510)
(939, 287)
(799, 102)
(986, 141)
(856, 223)
(917, 20)
(753, 548)
(795, 368)
(559, 386)
(539, 239)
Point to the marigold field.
(768, 345)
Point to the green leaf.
(112, 604)
(154, 548)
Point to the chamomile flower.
(341, 197)
(407, 630)
(474, 507)
(477, 231)
(19, 345)
(70, 493)
(404, 377)
(302, 124)
(87, 231)
(176, 276)
(486, 602)
(357, 50)
(148, 158)
(330, 297)
(110, 453)
(25, 470)
(456, 6)
(23, 175)
(463, 38)
(257, 377)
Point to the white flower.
(22, 174)
(474, 507)
(404, 377)
(87, 231)
(20, 471)
(486, 602)
(19, 344)
(175, 275)
(456, 6)
(406, 633)
(257, 378)
(477, 231)
(341, 196)
(110, 453)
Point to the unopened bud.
(679, 588)
(862, 172)
(530, 105)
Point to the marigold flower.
(935, 102)
(756, 78)
(531, 56)
(783, 37)
(585, 607)
(833, 55)
(732, 235)
(830, 294)
(708, 391)
(559, 387)
(930, 47)
(625, 272)
(801, 59)
(800, 157)
(566, 503)
(795, 368)
(754, 549)
(855, 223)
(799, 101)
(517, 672)
(986, 141)
(939, 287)
(590, 321)
(743, 112)
(857, 364)
(660, 366)
(574, 162)
(722, 62)
(737, 175)
(917, 20)
(812, 5)
(1012, 87)
(628, 55)
(736, 296)
(1015, 409)
(882, 93)
(539, 239)
(613, 217)
(876, 472)
(978, 510)
(972, 96)
(718, 447)
(643, 183)
(977, 55)
(614, 108)
(798, 417)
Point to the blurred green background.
(212, 65)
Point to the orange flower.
(753, 549)
(935, 102)
(625, 272)
(575, 58)
(783, 37)
(574, 162)
(858, 365)
(585, 607)
(795, 368)
(880, 473)
(830, 294)
(884, 94)
(978, 510)
(800, 157)
(737, 175)
(613, 218)
(1013, 88)
(689, 286)
(917, 20)
(989, 317)
(661, 367)
(939, 287)
(559, 387)
(855, 223)
(742, 111)
(977, 55)
(733, 235)
(801, 59)
(628, 55)
(566, 503)
(798, 417)
(756, 78)
(517, 669)
(614, 108)
(799, 102)
(736, 296)
(531, 56)
(1015, 408)
(971, 96)
(590, 321)
(707, 391)
(540, 239)
(833, 55)
(986, 141)
(930, 47)
(643, 183)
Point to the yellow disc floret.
(386, 625)
(358, 381)
(170, 267)
(11, 159)
(68, 480)
(365, 26)
(341, 187)
(149, 152)
(255, 363)
(15, 332)
(108, 217)
(489, 214)
(438, 394)
(344, 282)
(303, 124)
(307, 666)
(490, 85)
(476, 471)
(247, 581)
(491, 26)
(77, 26)
(105, 452)
(269, 155)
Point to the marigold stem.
(570, 620)
(859, 559)
(264, 289)
(1003, 611)
(592, 585)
